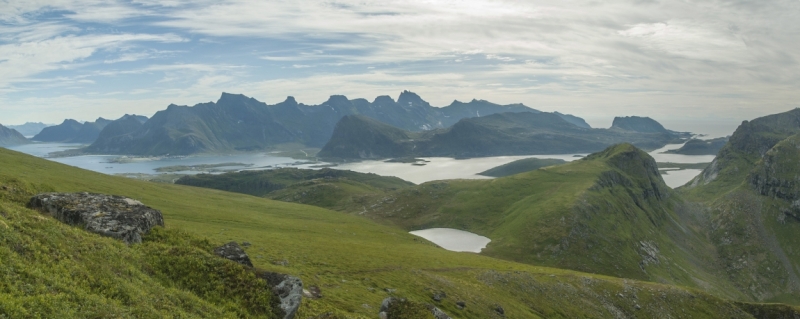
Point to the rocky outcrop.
(108, 215)
(405, 308)
(288, 289)
(233, 251)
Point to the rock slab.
(114, 216)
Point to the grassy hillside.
(609, 213)
(355, 262)
(328, 188)
(51, 270)
(521, 166)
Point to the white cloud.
(25, 59)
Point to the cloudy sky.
(689, 64)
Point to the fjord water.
(435, 168)
(439, 168)
(454, 239)
(102, 164)
(676, 178)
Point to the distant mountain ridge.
(10, 137)
(29, 128)
(359, 137)
(240, 123)
(72, 131)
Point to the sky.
(692, 65)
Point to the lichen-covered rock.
(108, 215)
(289, 289)
(232, 251)
(401, 308)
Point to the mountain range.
(29, 128)
(72, 131)
(10, 137)
(360, 137)
(239, 123)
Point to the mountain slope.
(609, 213)
(701, 147)
(352, 260)
(10, 137)
(326, 187)
(70, 131)
(493, 135)
(750, 191)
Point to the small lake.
(454, 239)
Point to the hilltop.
(358, 137)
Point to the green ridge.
(521, 166)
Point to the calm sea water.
(436, 168)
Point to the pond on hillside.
(454, 239)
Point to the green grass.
(521, 166)
(50, 270)
(350, 258)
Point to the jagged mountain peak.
(230, 98)
(290, 100)
(408, 98)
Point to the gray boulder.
(437, 313)
(289, 289)
(108, 215)
(234, 252)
